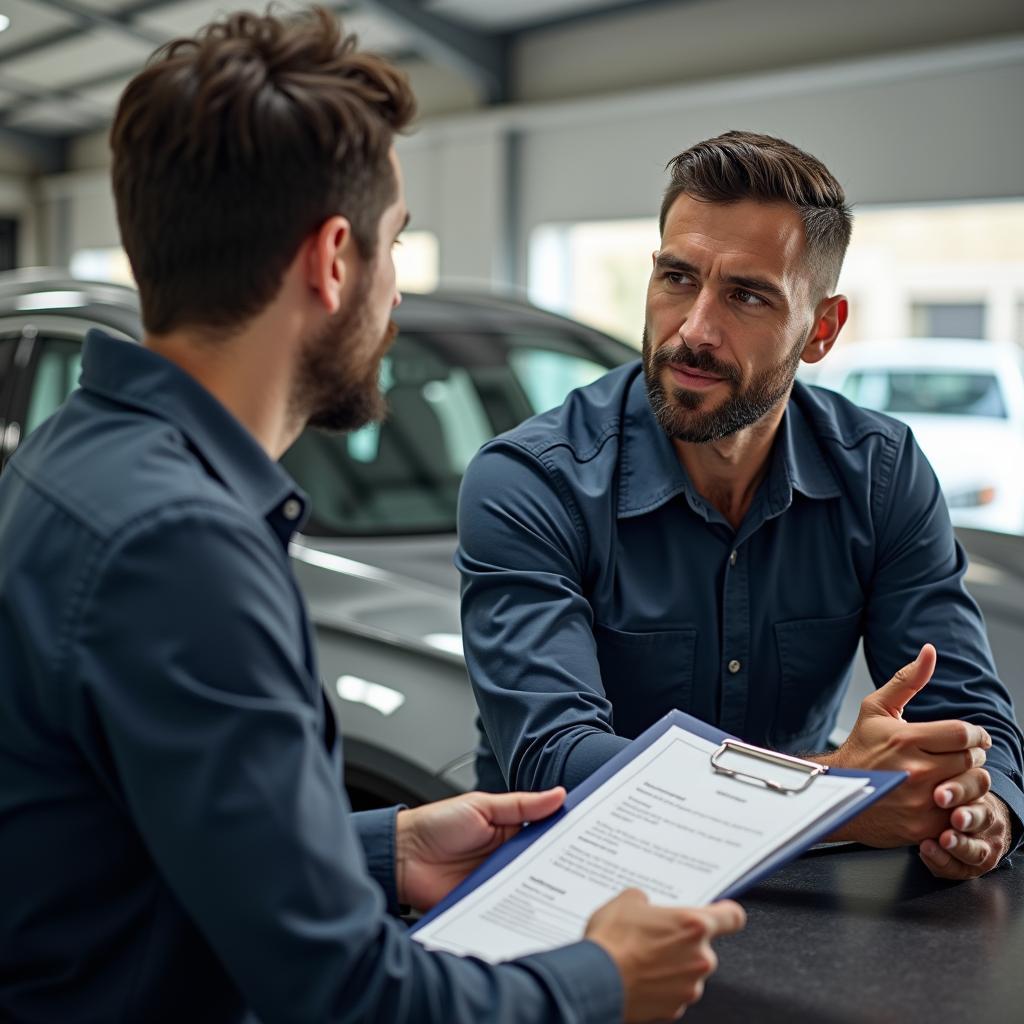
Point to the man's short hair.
(230, 148)
(745, 165)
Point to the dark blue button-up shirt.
(175, 840)
(601, 590)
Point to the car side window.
(58, 364)
(7, 345)
(401, 475)
(547, 375)
(16, 352)
(447, 394)
(6, 360)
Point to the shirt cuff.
(586, 979)
(376, 832)
(1007, 786)
(587, 754)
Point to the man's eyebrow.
(757, 284)
(666, 261)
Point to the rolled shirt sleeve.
(193, 705)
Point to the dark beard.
(334, 391)
(680, 415)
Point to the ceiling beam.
(29, 94)
(88, 17)
(586, 15)
(124, 16)
(483, 58)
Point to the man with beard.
(175, 841)
(698, 531)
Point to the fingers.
(896, 694)
(723, 918)
(976, 817)
(965, 858)
(951, 736)
(515, 808)
(972, 785)
(939, 769)
(940, 863)
(631, 896)
(966, 849)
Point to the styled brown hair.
(745, 165)
(230, 148)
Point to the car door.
(45, 358)
(17, 344)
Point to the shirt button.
(732, 558)
(291, 509)
(734, 666)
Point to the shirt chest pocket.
(815, 656)
(645, 675)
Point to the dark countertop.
(850, 934)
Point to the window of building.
(417, 263)
(105, 264)
(595, 271)
(921, 270)
(948, 320)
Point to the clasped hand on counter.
(962, 830)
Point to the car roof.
(925, 354)
(55, 292)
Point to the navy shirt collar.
(650, 473)
(135, 376)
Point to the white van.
(964, 401)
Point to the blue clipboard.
(880, 783)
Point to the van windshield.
(938, 392)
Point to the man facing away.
(175, 841)
(698, 531)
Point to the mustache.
(702, 360)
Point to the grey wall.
(934, 123)
(930, 125)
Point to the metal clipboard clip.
(810, 769)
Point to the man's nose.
(701, 326)
(397, 301)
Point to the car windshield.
(941, 392)
(447, 393)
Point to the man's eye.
(677, 277)
(746, 298)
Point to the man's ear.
(327, 255)
(830, 316)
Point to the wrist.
(1003, 819)
(404, 851)
(401, 852)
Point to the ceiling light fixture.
(5, 22)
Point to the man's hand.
(438, 844)
(979, 837)
(663, 953)
(940, 757)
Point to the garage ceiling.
(63, 63)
